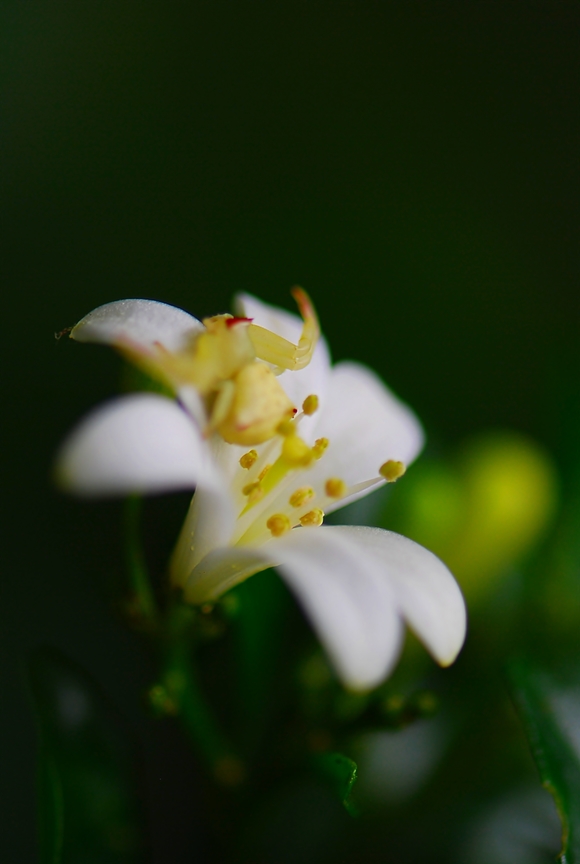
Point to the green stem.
(180, 691)
(182, 684)
(145, 606)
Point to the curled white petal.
(208, 526)
(425, 592)
(356, 586)
(140, 443)
(348, 600)
(223, 568)
(143, 323)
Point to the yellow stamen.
(255, 496)
(278, 524)
(310, 404)
(248, 459)
(296, 452)
(320, 446)
(392, 470)
(301, 496)
(263, 472)
(335, 487)
(312, 519)
(286, 428)
(251, 487)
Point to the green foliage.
(340, 772)
(89, 809)
(482, 511)
(550, 714)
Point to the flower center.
(233, 365)
(273, 502)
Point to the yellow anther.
(312, 519)
(301, 496)
(278, 524)
(263, 472)
(320, 446)
(310, 404)
(253, 492)
(392, 470)
(335, 487)
(255, 496)
(251, 487)
(248, 459)
(296, 452)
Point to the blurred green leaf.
(179, 692)
(341, 773)
(481, 512)
(551, 715)
(260, 618)
(141, 607)
(89, 809)
(51, 816)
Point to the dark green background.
(413, 164)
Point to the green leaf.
(179, 692)
(551, 715)
(259, 625)
(51, 816)
(142, 606)
(341, 773)
(89, 809)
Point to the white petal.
(425, 592)
(313, 379)
(366, 425)
(223, 568)
(141, 322)
(140, 443)
(209, 525)
(348, 599)
(193, 404)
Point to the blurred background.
(413, 165)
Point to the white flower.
(263, 507)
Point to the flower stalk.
(182, 687)
(142, 605)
